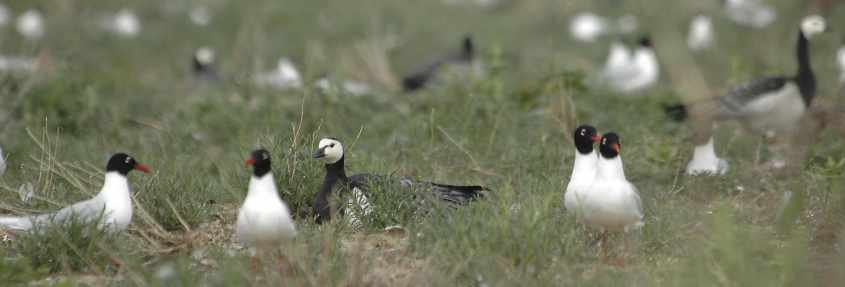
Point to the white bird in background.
(705, 162)
(2, 163)
(31, 25)
(110, 209)
(124, 23)
(587, 27)
(700, 35)
(611, 203)
(583, 167)
(285, 76)
(5, 15)
(264, 219)
(631, 73)
(840, 59)
(200, 16)
(354, 88)
(750, 13)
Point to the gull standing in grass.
(264, 219)
(358, 205)
(124, 23)
(285, 76)
(112, 207)
(611, 203)
(629, 73)
(202, 64)
(583, 167)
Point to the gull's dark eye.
(331, 145)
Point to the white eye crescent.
(128, 159)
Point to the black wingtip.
(676, 112)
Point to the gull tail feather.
(459, 194)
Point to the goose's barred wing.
(735, 101)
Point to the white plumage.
(285, 76)
(750, 13)
(587, 27)
(112, 207)
(2, 163)
(700, 35)
(629, 73)
(583, 174)
(840, 60)
(124, 23)
(264, 219)
(705, 162)
(611, 202)
(30, 24)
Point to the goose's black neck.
(334, 172)
(805, 78)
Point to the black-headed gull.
(202, 64)
(111, 208)
(358, 206)
(629, 73)
(583, 167)
(611, 203)
(264, 219)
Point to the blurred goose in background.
(705, 162)
(772, 105)
(583, 167)
(356, 188)
(264, 218)
(123, 23)
(203, 65)
(285, 76)
(30, 25)
(112, 206)
(422, 76)
(750, 13)
(840, 60)
(629, 73)
(700, 35)
(611, 202)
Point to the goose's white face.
(813, 25)
(332, 150)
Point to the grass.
(508, 130)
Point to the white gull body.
(611, 202)
(112, 207)
(583, 174)
(264, 219)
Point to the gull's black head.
(123, 164)
(645, 41)
(585, 136)
(610, 145)
(260, 161)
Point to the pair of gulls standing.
(598, 192)
(264, 218)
